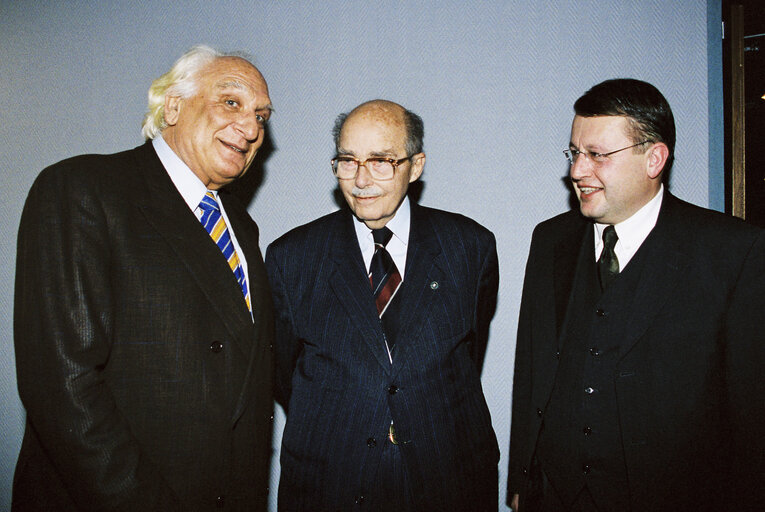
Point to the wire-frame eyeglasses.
(572, 154)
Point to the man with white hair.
(143, 318)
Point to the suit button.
(586, 469)
(589, 391)
(216, 346)
(371, 442)
(600, 312)
(587, 431)
(594, 352)
(220, 502)
(393, 390)
(525, 471)
(539, 412)
(359, 500)
(557, 355)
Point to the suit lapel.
(166, 210)
(660, 265)
(241, 224)
(659, 262)
(425, 264)
(260, 294)
(566, 254)
(350, 284)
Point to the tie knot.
(610, 237)
(382, 236)
(208, 202)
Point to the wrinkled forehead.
(233, 72)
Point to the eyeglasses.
(381, 168)
(572, 154)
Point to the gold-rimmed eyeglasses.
(381, 168)
(572, 153)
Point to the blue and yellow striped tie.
(213, 222)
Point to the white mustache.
(372, 191)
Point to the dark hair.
(415, 131)
(647, 109)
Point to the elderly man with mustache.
(382, 321)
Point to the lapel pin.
(434, 285)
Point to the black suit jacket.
(689, 386)
(146, 383)
(339, 388)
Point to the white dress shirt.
(399, 225)
(193, 190)
(631, 232)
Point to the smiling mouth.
(588, 190)
(235, 148)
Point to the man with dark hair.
(640, 347)
(382, 321)
(143, 318)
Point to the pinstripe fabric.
(341, 391)
(213, 222)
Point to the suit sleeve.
(62, 332)
(287, 345)
(486, 301)
(519, 430)
(744, 363)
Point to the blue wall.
(494, 82)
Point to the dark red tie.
(383, 274)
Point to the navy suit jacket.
(339, 388)
(689, 384)
(146, 383)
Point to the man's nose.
(249, 126)
(581, 167)
(363, 176)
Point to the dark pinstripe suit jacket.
(147, 385)
(339, 388)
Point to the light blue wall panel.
(494, 82)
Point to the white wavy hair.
(179, 81)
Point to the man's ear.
(418, 164)
(172, 109)
(657, 159)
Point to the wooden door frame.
(738, 112)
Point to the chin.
(364, 213)
(366, 216)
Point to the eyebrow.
(235, 84)
(231, 83)
(386, 153)
(590, 149)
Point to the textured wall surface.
(494, 82)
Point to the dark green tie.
(608, 264)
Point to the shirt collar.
(399, 225)
(188, 184)
(633, 231)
